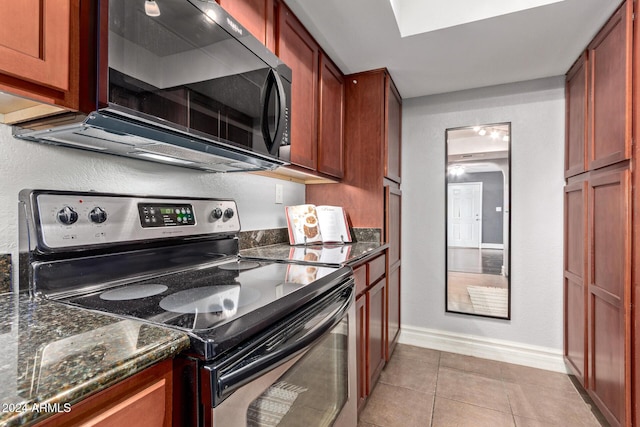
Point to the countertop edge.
(101, 382)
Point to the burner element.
(224, 299)
(130, 292)
(239, 265)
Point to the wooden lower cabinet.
(575, 279)
(609, 294)
(143, 400)
(597, 288)
(393, 311)
(371, 325)
(361, 349)
(376, 308)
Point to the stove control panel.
(67, 221)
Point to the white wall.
(536, 112)
(26, 164)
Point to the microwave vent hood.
(190, 87)
(112, 132)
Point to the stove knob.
(216, 213)
(67, 216)
(98, 215)
(228, 213)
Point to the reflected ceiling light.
(151, 8)
(495, 134)
(482, 132)
(456, 170)
(476, 128)
(505, 138)
(211, 14)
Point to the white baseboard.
(504, 351)
(491, 246)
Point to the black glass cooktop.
(219, 304)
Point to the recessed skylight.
(422, 16)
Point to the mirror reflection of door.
(464, 207)
(478, 220)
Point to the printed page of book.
(302, 221)
(333, 224)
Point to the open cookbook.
(310, 224)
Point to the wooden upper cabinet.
(257, 16)
(35, 38)
(576, 118)
(300, 52)
(331, 128)
(610, 59)
(393, 106)
(48, 52)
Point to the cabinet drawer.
(360, 276)
(377, 268)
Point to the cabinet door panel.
(35, 38)
(393, 202)
(609, 293)
(361, 350)
(299, 51)
(575, 279)
(393, 310)
(256, 16)
(576, 130)
(331, 129)
(393, 143)
(610, 60)
(376, 307)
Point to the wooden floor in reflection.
(458, 294)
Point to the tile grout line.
(435, 391)
(504, 387)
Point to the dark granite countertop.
(350, 253)
(57, 354)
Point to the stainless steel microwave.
(186, 84)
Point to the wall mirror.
(478, 201)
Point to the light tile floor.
(421, 388)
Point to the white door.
(464, 214)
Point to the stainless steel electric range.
(262, 332)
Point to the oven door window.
(312, 392)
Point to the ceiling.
(541, 41)
(479, 148)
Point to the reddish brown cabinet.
(376, 318)
(144, 400)
(609, 293)
(331, 119)
(317, 101)
(299, 50)
(361, 335)
(597, 287)
(257, 16)
(575, 278)
(599, 340)
(599, 98)
(370, 190)
(47, 50)
(35, 38)
(610, 70)
(393, 136)
(393, 206)
(576, 94)
(371, 324)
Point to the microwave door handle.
(273, 82)
(282, 350)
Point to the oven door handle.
(290, 339)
